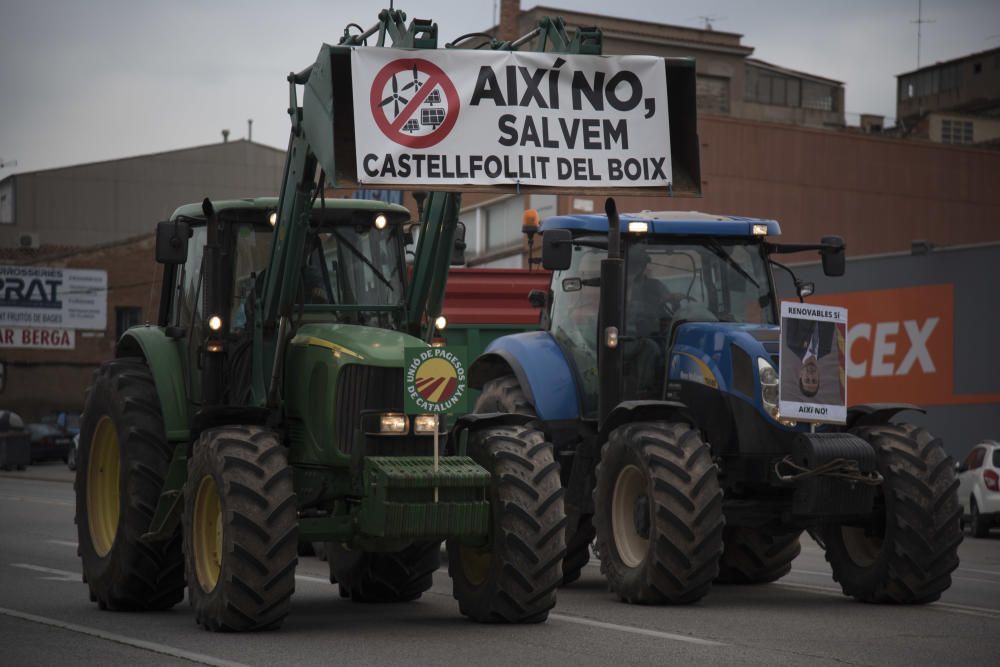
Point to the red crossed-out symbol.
(405, 108)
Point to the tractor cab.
(679, 267)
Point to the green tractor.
(266, 408)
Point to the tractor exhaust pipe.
(611, 315)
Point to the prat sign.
(53, 297)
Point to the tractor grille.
(373, 388)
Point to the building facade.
(954, 102)
(43, 212)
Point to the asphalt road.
(46, 617)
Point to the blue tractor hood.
(723, 356)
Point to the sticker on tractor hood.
(464, 117)
(434, 380)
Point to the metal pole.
(437, 457)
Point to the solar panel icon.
(432, 117)
(411, 125)
(434, 97)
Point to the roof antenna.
(920, 24)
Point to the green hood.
(358, 344)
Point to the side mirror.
(536, 298)
(172, 242)
(833, 255)
(557, 249)
(458, 250)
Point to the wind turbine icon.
(395, 97)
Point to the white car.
(979, 487)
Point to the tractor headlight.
(768, 387)
(425, 424)
(394, 424)
(440, 322)
(381, 221)
(214, 322)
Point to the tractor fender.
(163, 356)
(540, 367)
(631, 411)
(870, 414)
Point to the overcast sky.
(87, 80)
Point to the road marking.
(63, 543)
(60, 575)
(995, 573)
(578, 620)
(953, 576)
(43, 501)
(634, 630)
(153, 647)
(985, 612)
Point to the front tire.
(908, 553)
(123, 459)
(658, 514)
(240, 530)
(514, 578)
(400, 576)
(977, 525)
(756, 556)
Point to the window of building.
(955, 131)
(766, 87)
(817, 96)
(977, 68)
(7, 203)
(503, 224)
(125, 318)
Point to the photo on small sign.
(812, 369)
(815, 352)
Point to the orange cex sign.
(900, 346)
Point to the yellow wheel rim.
(207, 534)
(631, 546)
(475, 564)
(103, 502)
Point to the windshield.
(704, 280)
(354, 265)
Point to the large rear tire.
(908, 553)
(240, 530)
(122, 461)
(756, 556)
(401, 576)
(514, 578)
(505, 394)
(658, 514)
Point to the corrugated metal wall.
(950, 301)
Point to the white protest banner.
(38, 339)
(50, 297)
(463, 117)
(813, 380)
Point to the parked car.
(15, 448)
(49, 442)
(66, 420)
(979, 487)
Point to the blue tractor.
(655, 376)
